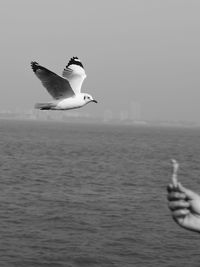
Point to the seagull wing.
(74, 73)
(57, 86)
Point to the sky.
(133, 51)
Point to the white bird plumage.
(65, 89)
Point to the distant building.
(108, 115)
(135, 111)
(123, 116)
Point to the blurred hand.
(185, 206)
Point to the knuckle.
(171, 205)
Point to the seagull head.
(88, 98)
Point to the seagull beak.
(93, 100)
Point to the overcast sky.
(145, 51)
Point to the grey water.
(93, 195)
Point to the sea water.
(93, 195)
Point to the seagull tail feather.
(44, 106)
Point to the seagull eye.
(84, 97)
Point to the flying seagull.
(65, 89)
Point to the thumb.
(189, 193)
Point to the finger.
(189, 193)
(178, 214)
(171, 188)
(181, 204)
(175, 166)
(175, 195)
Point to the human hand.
(183, 203)
(185, 206)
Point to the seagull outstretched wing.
(57, 86)
(75, 74)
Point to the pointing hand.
(183, 203)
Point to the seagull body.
(65, 89)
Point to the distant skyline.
(133, 51)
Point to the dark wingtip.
(75, 61)
(34, 66)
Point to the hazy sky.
(146, 51)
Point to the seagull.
(65, 89)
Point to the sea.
(94, 195)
